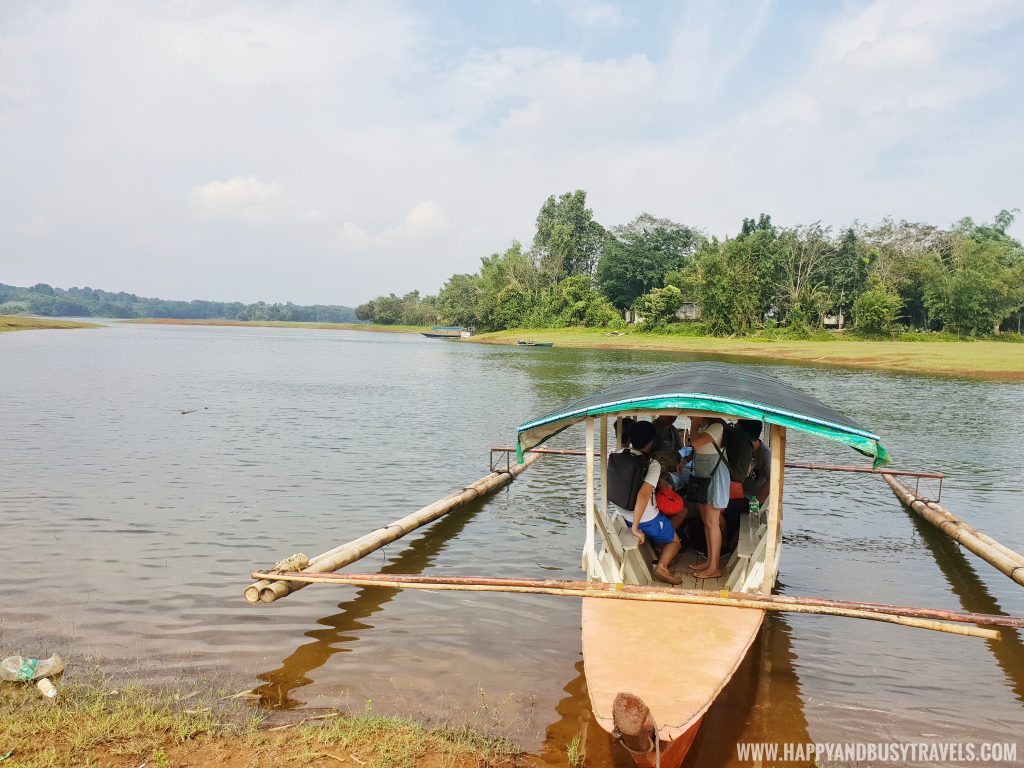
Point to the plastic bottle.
(46, 688)
(755, 505)
(20, 669)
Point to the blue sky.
(330, 151)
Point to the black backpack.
(739, 452)
(626, 473)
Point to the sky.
(329, 152)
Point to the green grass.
(32, 323)
(910, 352)
(98, 724)
(980, 359)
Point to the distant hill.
(42, 299)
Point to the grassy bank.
(284, 324)
(985, 359)
(26, 323)
(91, 725)
(973, 359)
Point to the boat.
(527, 343)
(655, 658)
(447, 332)
(655, 709)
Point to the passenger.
(645, 520)
(755, 484)
(759, 479)
(626, 427)
(667, 443)
(709, 462)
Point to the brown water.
(130, 529)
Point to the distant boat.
(447, 332)
(526, 343)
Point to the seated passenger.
(624, 427)
(644, 519)
(667, 443)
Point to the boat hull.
(675, 658)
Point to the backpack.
(626, 473)
(739, 452)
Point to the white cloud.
(424, 220)
(240, 197)
(361, 131)
(36, 226)
(593, 13)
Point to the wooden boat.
(526, 343)
(653, 669)
(447, 332)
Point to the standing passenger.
(709, 462)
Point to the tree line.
(966, 279)
(43, 299)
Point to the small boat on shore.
(528, 343)
(447, 332)
(653, 709)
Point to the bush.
(875, 312)
(688, 328)
(658, 308)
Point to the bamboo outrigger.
(652, 712)
(999, 556)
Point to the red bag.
(669, 502)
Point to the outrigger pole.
(919, 618)
(999, 556)
(270, 588)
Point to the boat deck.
(680, 567)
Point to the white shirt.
(651, 479)
(716, 431)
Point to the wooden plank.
(589, 552)
(777, 443)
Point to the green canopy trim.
(534, 433)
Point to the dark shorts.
(659, 530)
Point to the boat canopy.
(724, 388)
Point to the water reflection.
(342, 628)
(975, 597)
(762, 703)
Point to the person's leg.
(713, 530)
(668, 553)
(704, 511)
(661, 532)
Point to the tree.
(845, 273)
(724, 282)
(512, 307)
(574, 301)
(638, 255)
(805, 250)
(658, 307)
(978, 287)
(458, 299)
(568, 241)
(875, 311)
(498, 272)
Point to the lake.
(147, 470)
